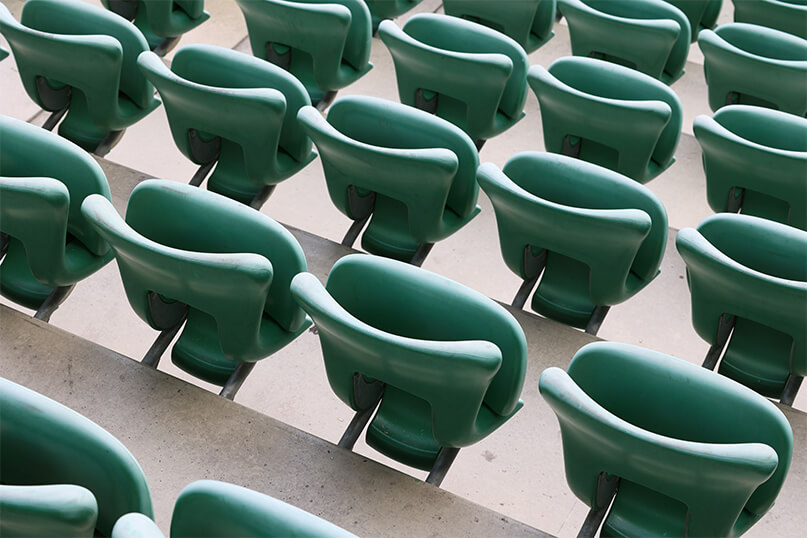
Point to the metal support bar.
(479, 143)
(161, 343)
(606, 491)
(202, 173)
(524, 291)
(445, 458)
(356, 426)
(596, 319)
(354, 231)
(592, 522)
(420, 254)
(326, 101)
(261, 197)
(52, 302)
(236, 379)
(55, 118)
(724, 328)
(110, 141)
(791, 389)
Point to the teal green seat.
(748, 281)
(48, 244)
(163, 22)
(258, 142)
(650, 36)
(62, 474)
(689, 452)
(466, 73)
(324, 43)
(595, 238)
(702, 14)
(747, 64)
(446, 363)
(389, 9)
(412, 174)
(184, 250)
(638, 118)
(211, 509)
(528, 22)
(72, 54)
(755, 161)
(786, 15)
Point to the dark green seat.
(72, 54)
(48, 244)
(594, 237)
(412, 174)
(650, 36)
(389, 9)
(258, 142)
(748, 281)
(162, 22)
(324, 43)
(702, 14)
(756, 163)
(212, 509)
(786, 15)
(466, 73)
(689, 452)
(609, 115)
(747, 64)
(446, 363)
(62, 474)
(186, 251)
(529, 22)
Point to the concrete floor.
(497, 473)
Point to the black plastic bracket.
(429, 105)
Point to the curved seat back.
(755, 161)
(44, 442)
(756, 270)
(453, 361)
(324, 43)
(477, 74)
(528, 22)
(420, 167)
(259, 140)
(754, 65)
(786, 15)
(638, 119)
(711, 468)
(160, 20)
(701, 14)
(651, 36)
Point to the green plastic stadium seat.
(702, 14)
(47, 245)
(650, 36)
(81, 58)
(162, 22)
(786, 15)
(63, 475)
(388, 9)
(446, 363)
(211, 509)
(594, 237)
(689, 452)
(257, 143)
(638, 118)
(748, 64)
(528, 22)
(466, 73)
(324, 43)
(185, 251)
(756, 163)
(748, 281)
(410, 173)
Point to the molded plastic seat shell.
(756, 163)
(786, 15)
(72, 53)
(43, 180)
(60, 470)
(748, 64)
(604, 234)
(211, 509)
(421, 168)
(756, 270)
(453, 360)
(259, 140)
(619, 118)
(528, 22)
(477, 74)
(651, 36)
(231, 266)
(160, 20)
(326, 43)
(702, 14)
(696, 453)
